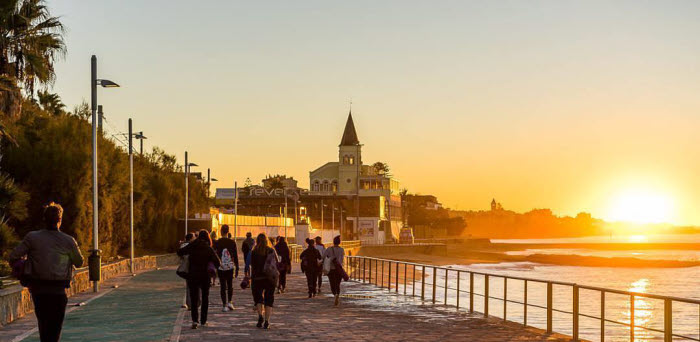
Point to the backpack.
(270, 269)
(327, 265)
(184, 267)
(226, 261)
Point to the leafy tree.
(52, 162)
(382, 168)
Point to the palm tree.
(30, 41)
(10, 98)
(51, 102)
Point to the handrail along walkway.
(372, 270)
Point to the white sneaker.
(226, 308)
(230, 306)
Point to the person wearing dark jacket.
(285, 265)
(246, 247)
(228, 254)
(262, 286)
(51, 257)
(200, 254)
(309, 265)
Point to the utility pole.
(284, 191)
(357, 196)
(235, 209)
(131, 200)
(187, 167)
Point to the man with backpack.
(228, 253)
(48, 270)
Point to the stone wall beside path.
(16, 302)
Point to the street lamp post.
(94, 260)
(209, 180)
(187, 193)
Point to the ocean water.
(655, 238)
(645, 254)
(648, 313)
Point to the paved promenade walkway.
(146, 308)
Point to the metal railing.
(373, 270)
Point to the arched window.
(334, 186)
(346, 160)
(351, 160)
(326, 186)
(315, 187)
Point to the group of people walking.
(266, 265)
(45, 259)
(318, 260)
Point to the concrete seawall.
(432, 249)
(16, 302)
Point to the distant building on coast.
(345, 197)
(369, 196)
(495, 206)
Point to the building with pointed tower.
(369, 197)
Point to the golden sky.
(573, 106)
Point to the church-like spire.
(349, 135)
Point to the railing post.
(505, 296)
(471, 292)
(364, 269)
(602, 316)
(549, 307)
(389, 278)
(397, 277)
(575, 312)
(422, 284)
(369, 272)
(458, 292)
(525, 302)
(631, 317)
(376, 272)
(405, 275)
(413, 284)
(434, 282)
(446, 285)
(382, 284)
(486, 295)
(668, 320)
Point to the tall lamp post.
(209, 180)
(187, 193)
(94, 262)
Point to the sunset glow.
(641, 206)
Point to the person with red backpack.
(228, 253)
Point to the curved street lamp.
(94, 260)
